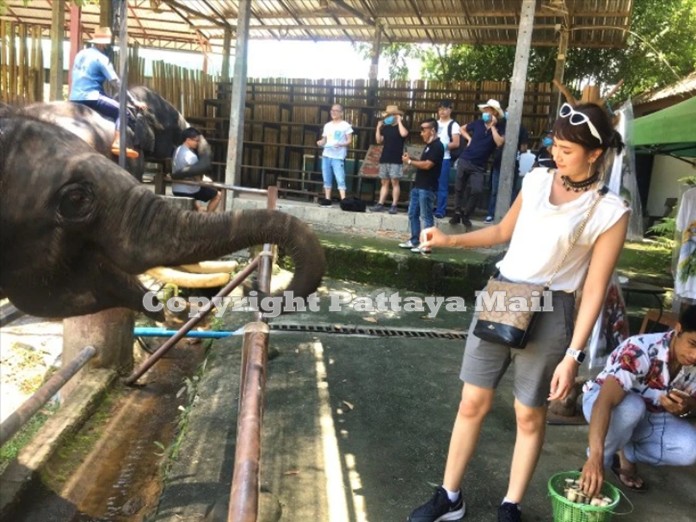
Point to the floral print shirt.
(640, 365)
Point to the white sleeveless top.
(544, 231)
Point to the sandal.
(627, 478)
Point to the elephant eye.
(76, 202)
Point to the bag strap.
(578, 232)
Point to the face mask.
(486, 117)
(389, 120)
(547, 142)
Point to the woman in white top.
(539, 227)
(335, 139)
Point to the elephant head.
(76, 229)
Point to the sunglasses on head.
(578, 118)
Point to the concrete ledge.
(67, 420)
(376, 261)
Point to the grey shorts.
(485, 363)
(391, 171)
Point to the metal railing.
(244, 496)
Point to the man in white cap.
(482, 137)
(90, 70)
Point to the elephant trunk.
(156, 233)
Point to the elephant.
(156, 134)
(76, 229)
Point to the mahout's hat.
(101, 35)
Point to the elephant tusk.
(187, 279)
(211, 267)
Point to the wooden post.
(75, 37)
(123, 75)
(57, 35)
(558, 74)
(110, 332)
(374, 70)
(517, 88)
(235, 141)
(226, 44)
(106, 13)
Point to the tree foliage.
(660, 49)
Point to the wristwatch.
(578, 355)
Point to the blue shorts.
(331, 167)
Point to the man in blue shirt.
(482, 136)
(91, 69)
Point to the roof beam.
(297, 20)
(174, 4)
(420, 18)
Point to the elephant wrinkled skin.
(76, 229)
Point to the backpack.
(353, 205)
(454, 153)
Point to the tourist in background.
(392, 133)
(335, 140)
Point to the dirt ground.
(29, 348)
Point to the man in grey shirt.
(184, 166)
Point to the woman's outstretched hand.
(433, 237)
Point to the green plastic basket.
(566, 511)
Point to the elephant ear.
(144, 133)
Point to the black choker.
(579, 186)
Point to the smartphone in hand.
(674, 393)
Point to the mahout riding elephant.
(76, 229)
(156, 133)
(93, 128)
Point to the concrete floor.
(357, 429)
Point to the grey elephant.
(76, 229)
(156, 134)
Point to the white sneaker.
(421, 250)
(407, 244)
(489, 219)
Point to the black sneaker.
(456, 219)
(324, 202)
(439, 508)
(509, 512)
(468, 224)
(378, 208)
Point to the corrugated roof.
(200, 24)
(683, 89)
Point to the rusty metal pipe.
(244, 495)
(26, 411)
(169, 343)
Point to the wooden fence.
(284, 118)
(21, 63)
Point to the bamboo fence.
(21, 63)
